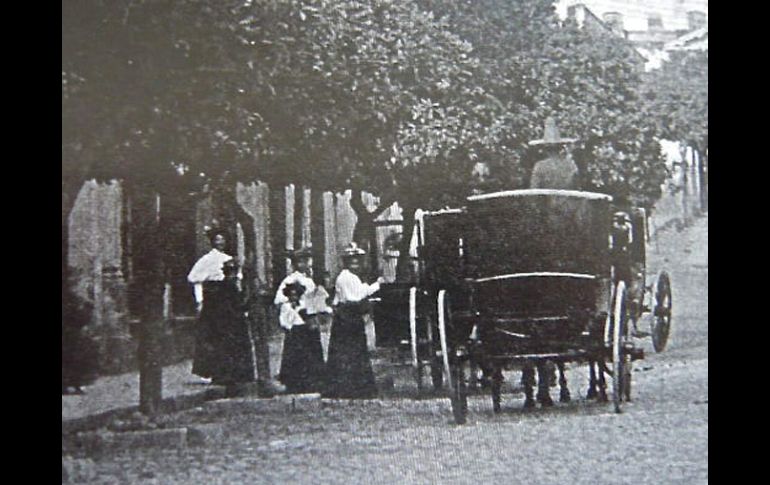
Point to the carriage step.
(641, 334)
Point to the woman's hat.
(551, 135)
(213, 230)
(305, 252)
(352, 251)
(293, 287)
(230, 266)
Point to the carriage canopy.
(537, 232)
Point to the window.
(654, 22)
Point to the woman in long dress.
(349, 368)
(232, 359)
(206, 270)
(302, 364)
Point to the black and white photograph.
(385, 242)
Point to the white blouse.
(314, 297)
(289, 316)
(208, 268)
(349, 288)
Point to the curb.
(169, 405)
(99, 441)
(285, 403)
(205, 434)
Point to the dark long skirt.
(223, 347)
(302, 365)
(349, 369)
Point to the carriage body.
(515, 277)
(537, 267)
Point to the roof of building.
(697, 39)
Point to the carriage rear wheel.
(661, 317)
(621, 361)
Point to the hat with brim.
(230, 266)
(621, 216)
(214, 231)
(295, 287)
(551, 135)
(352, 251)
(301, 253)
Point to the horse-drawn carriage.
(525, 276)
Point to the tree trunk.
(277, 207)
(146, 291)
(365, 232)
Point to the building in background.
(654, 27)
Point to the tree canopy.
(678, 94)
(391, 96)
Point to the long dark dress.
(349, 368)
(223, 348)
(302, 364)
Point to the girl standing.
(302, 365)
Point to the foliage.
(394, 96)
(678, 95)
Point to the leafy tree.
(535, 66)
(677, 93)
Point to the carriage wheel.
(661, 318)
(459, 390)
(444, 317)
(416, 362)
(621, 363)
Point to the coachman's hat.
(551, 135)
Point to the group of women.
(224, 348)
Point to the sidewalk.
(118, 395)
